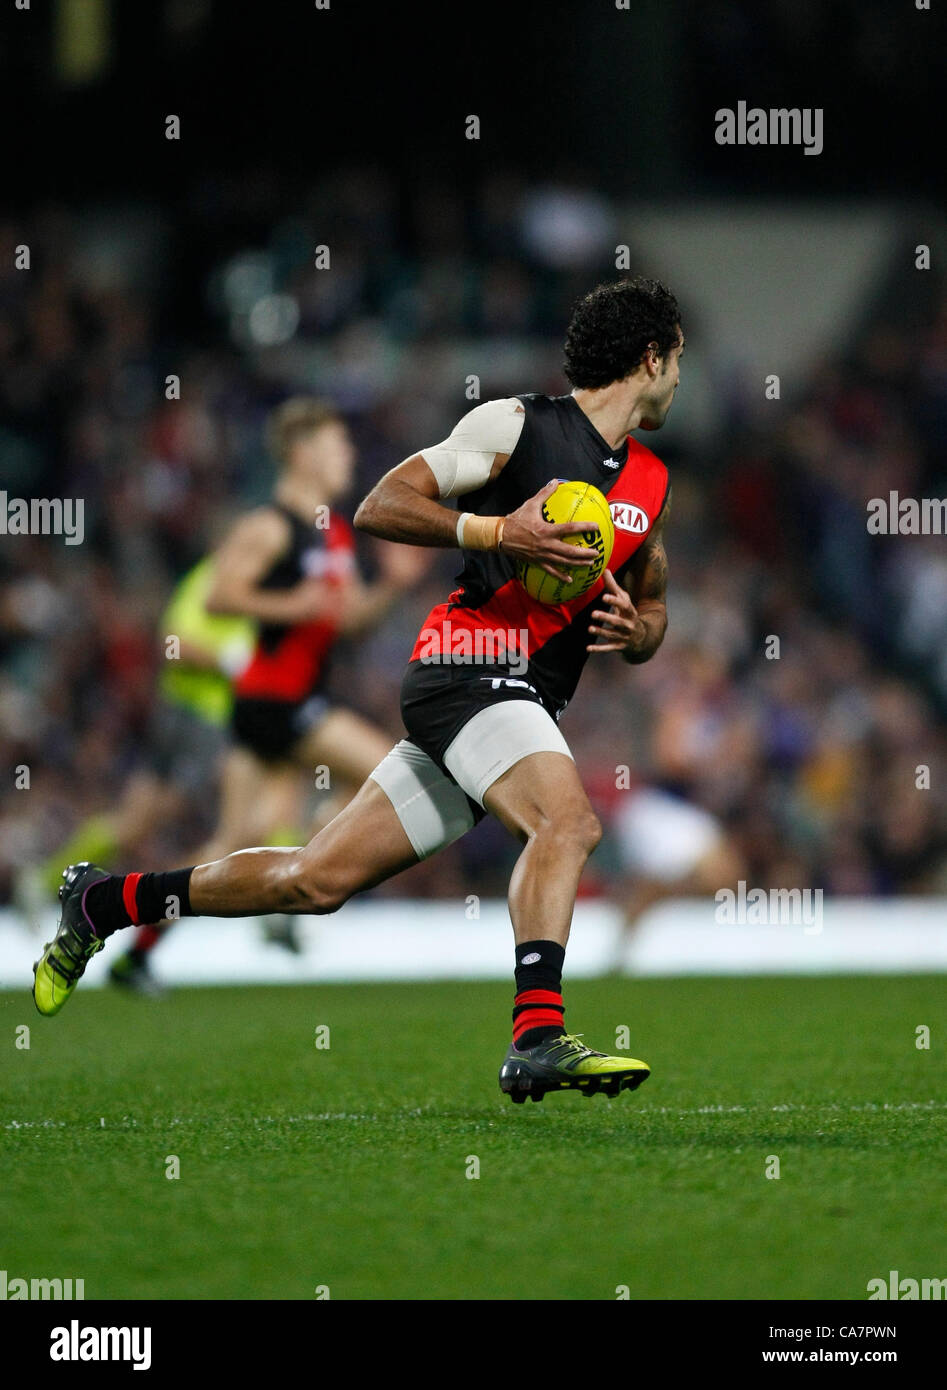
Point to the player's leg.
(261, 796)
(275, 822)
(361, 847)
(242, 784)
(512, 758)
(339, 743)
(281, 811)
(146, 803)
(542, 802)
(636, 896)
(243, 787)
(348, 745)
(184, 751)
(670, 848)
(718, 868)
(406, 810)
(364, 845)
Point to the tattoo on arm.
(649, 569)
(652, 581)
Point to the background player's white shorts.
(432, 808)
(663, 837)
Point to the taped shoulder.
(463, 462)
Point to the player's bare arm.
(246, 556)
(635, 620)
(364, 605)
(405, 506)
(196, 656)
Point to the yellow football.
(576, 502)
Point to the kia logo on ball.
(628, 517)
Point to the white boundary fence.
(408, 940)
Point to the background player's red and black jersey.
(290, 661)
(558, 440)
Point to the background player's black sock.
(124, 900)
(538, 1008)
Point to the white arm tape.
(462, 463)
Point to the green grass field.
(302, 1167)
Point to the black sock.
(538, 1008)
(125, 900)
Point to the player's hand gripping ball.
(575, 502)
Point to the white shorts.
(663, 837)
(434, 809)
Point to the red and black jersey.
(290, 661)
(558, 440)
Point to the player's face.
(661, 393)
(325, 460)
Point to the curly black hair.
(612, 326)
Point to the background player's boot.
(281, 929)
(60, 967)
(564, 1063)
(131, 971)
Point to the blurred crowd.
(801, 691)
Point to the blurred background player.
(668, 847)
(290, 568)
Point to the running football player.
(481, 739)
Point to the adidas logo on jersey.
(627, 517)
(610, 463)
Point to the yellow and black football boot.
(564, 1063)
(64, 959)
